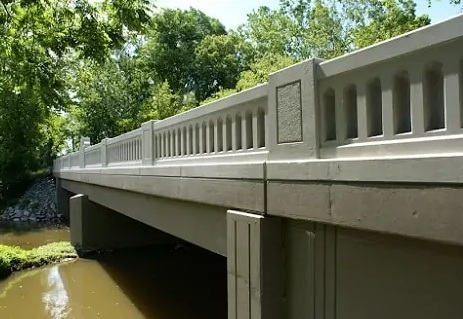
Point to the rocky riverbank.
(36, 206)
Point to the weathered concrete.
(96, 227)
(255, 266)
(62, 199)
(335, 272)
(427, 212)
(202, 225)
(243, 194)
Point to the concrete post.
(97, 227)
(293, 112)
(62, 199)
(255, 266)
(84, 143)
(104, 152)
(147, 142)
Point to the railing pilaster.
(293, 123)
(148, 152)
(84, 143)
(104, 152)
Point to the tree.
(171, 42)
(217, 64)
(36, 38)
(257, 74)
(327, 28)
(389, 19)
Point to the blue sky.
(233, 12)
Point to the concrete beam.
(202, 225)
(240, 194)
(431, 212)
(96, 227)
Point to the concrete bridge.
(334, 190)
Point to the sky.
(232, 13)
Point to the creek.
(150, 282)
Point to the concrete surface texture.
(348, 171)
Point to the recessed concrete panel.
(289, 113)
(386, 277)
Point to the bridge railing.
(92, 156)
(399, 98)
(227, 129)
(124, 149)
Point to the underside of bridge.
(280, 267)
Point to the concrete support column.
(97, 227)
(255, 264)
(62, 199)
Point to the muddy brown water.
(155, 282)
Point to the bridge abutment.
(62, 199)
(94, 226)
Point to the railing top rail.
(246, 96)
(93, 147)
(127, 135)
(415, 40)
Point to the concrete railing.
(400, 98)
(124, 149)
(228, 128)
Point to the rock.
(37, 204)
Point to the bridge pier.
(62, 199)
(97, 227)
(255, 265)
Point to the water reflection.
(56, 299)
(158, 283)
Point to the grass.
(15, 258)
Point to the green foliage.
(216, 64)
(260, 69)
(171, 43)
(15, 258)
(389, 19)
(36, 40)
(257, 74)
(325, 28)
